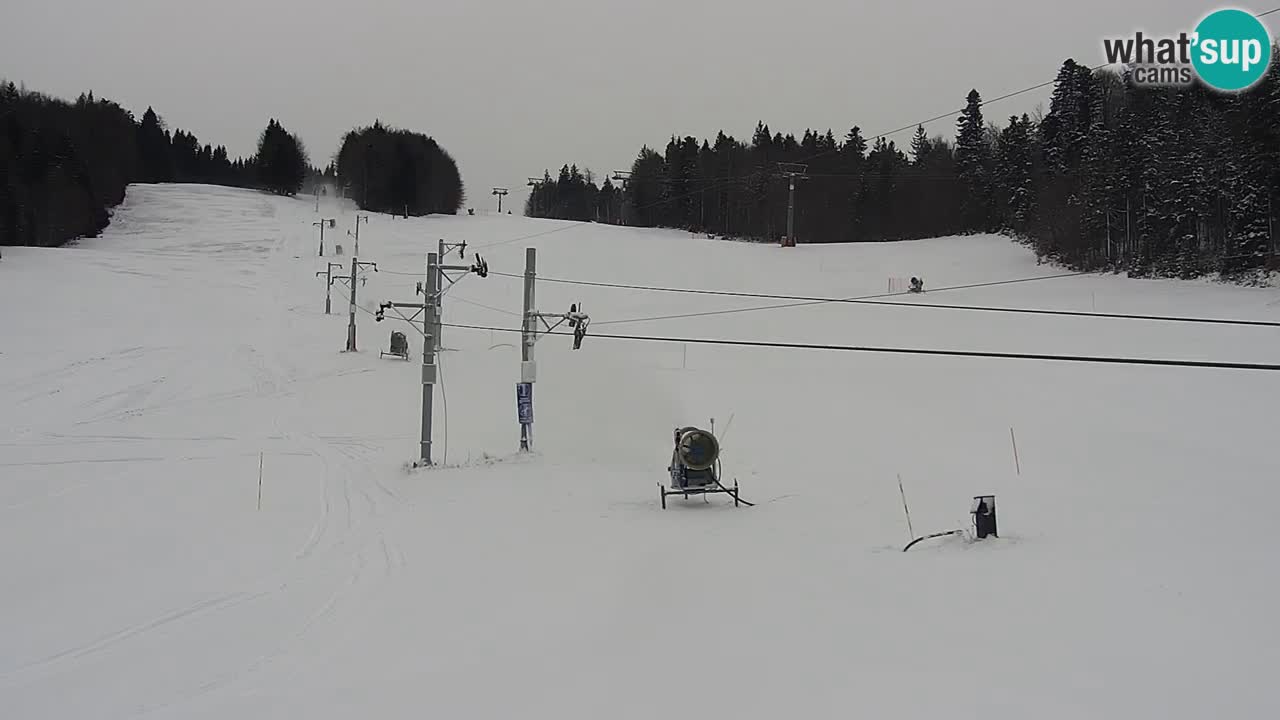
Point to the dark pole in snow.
(431, 327)
(328, 284)
(792, 171)
(528, 334)
(351, 309)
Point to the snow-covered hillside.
(144, 374)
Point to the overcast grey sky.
(511, 88)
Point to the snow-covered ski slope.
(143, 374)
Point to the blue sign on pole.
(524, 402)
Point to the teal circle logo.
(1232, 50)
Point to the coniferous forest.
(64, 165)
(399, 172)
(1172, 182)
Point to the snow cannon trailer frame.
(695, 467)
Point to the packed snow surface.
(145, 374)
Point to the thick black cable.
(736, 497)
(719, 473)
(910, 351)
(930, 537)
(1081, 313)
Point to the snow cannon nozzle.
(696, 448)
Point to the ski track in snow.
(270, 376)
(82, 651)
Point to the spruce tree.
(1061, 133)
(1257, 119)
(607, 203)
(919, 146)
(973, 162)
(1013, 174)
(1143, 140)
(851, 160)
(156, 160)
(1095, 180)
(644, 191)
(281, 160)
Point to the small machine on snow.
(695, 466)
(399, 346)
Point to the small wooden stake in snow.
(259, 481)
(910, 532)
(1016, 465)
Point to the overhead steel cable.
(1110, 360)
(874, 300)
(806, 302)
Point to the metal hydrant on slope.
(983, 511)
(984, 516)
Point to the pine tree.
(1143, 139)
(919, 146)
(205, 164)
(1256, 126)
(1064, 129)
(185, 152)
(851, 163)
(973, 162)
(282, 161)
(155, 159)
(607, 203)
(708, 209)
(644, 191)
(1095, 180)
(729, 157)
(1013, 174)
